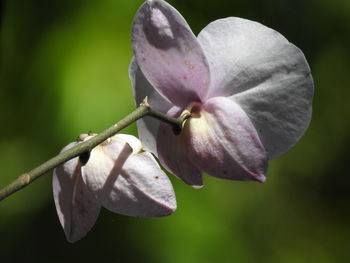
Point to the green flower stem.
(85, 147)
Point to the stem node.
(25, 178)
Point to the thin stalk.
(85, 147)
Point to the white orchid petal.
(265, 74)
(218, 139)
(169, 54)
(105, 162)
(76, 207)
(134, 142)
(224, 143)
(126, 183)
(142, 189)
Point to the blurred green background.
(64, 72)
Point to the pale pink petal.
(103, 161)
(142, 189)
(224, 142)
(218, 139)
(76, 207)
(127, 183)
(265, 74)
(148, 126)
(173, 152)
(169, 54)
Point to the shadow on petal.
(112, 178)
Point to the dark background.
(64, 72)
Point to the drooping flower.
(249, 91)
(117, 176)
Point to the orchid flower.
(247, 88)
(117, 176)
